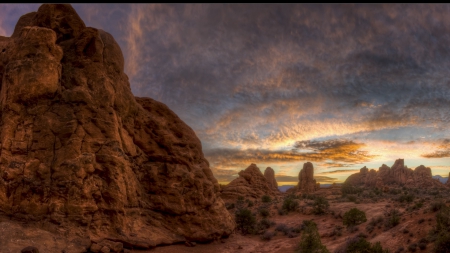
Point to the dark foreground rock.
(80, 151)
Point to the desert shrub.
(412, 247)
(349, 189)
(264, 212)
(392, 219)
(337, 231)
(351, 198)
(437, 205)
(266, 199)
(406, 198)
(370, 228)
(267, 235)
(376, 220)
(264, 224)
(282, 228)
(310, 240)
(249, 203)
(359, 244)
(308, 196)
(442, 243)
(245, 221)
(320, 205)
(394, 191)
(354, 217)
(281, 211)
(443, 219)
(423, 243)
(289, 204)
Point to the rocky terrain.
(306, 181)
(397, 175)
(79, 151)
(87, 167)
(252, 184)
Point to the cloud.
(316, 151)
(337, 171)
(443, 150)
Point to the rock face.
(397, 175)
(448, 180)
(269, 174)
(251, 183)
(306, 181)
(78, 149)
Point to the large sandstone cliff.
(251, 183)
(79, 150)
(397, 175)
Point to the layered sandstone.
(79, 150)
(448, 180)
(306, 181)
(251, 184)
(397, 175)
(269, 174)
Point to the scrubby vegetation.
(320, 205)
(245, 221)
(359, 244)
(266, 199)
(354, 217)
(290, 204)
(310, 240)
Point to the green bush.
(245, 221)
(310, 240)
(320, 205)
(406, 198)
(442, 243)
(359, 244)
(437, 205)
(392, 219)
(264, 212)
(289, 204)
(354, 217)
(266, 199)
(347, 188)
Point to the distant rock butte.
(448, 181)
(269, 174)
(306, 181)
(79, 150)
(251, 183)
(397, 175)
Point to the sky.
(340, 85)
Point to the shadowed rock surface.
(269, 174)
(79, 150)
(397, 175)
(306, 181)
(251, 183)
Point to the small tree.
(310, 240)
(266, 199)
(289, 204)
(354, 217)
(320, 205)
(245, 221)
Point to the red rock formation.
(269, 174)
(448, 180)
(251, 183)
(398, 175)
(78, 149)
(306, 181)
